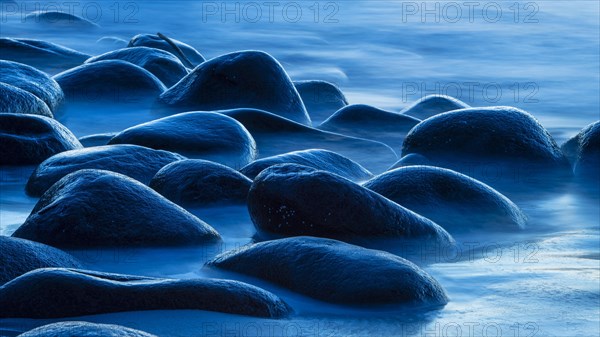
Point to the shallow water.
(544, 281)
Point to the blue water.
(543, 58)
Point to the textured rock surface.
(49, 293)
(31, 139)
(95, 208)
(137, 162)
(334, 271)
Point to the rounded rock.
(137, 162)
(453, 200)
(18, 256)
(294, 200)
(501, 138)
(46, 56)
(19, 101)
(201, 135)
(316, 158)
(195, 182)
(162, 64)
(155, 41)
(334, 271)
(432, 105)
(112, 79)
(276, 135)
(365, 121)
(585, 150)
(32, 80)
(320, 98)
(246, 79)
(30, 139)
(98, 293)
(95, 208)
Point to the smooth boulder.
(32, 80)
(46, 56)
(320, 98)
(84, 329)
(365, 121)
(162, 64)
(30, 139)
(294, 200)
(453, 200)
(113, 80)
(137, 162)
(19, 101)
(584, 151)
(202, 135)
(155, 41)
(246, 79)
(432, 105)
(18, 256)
(95, 208)
(276, 135)
(195, 182)
(492, 144)
(58, 292)
(316, 158)
(334, 271)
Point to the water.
(544, 281)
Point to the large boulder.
(57, 19)
(493, 144)
(18, 256)
(58, 292)
(95, 208)
(137, 162)
(275, 135)
(319, 159)
(365, 121)
(162, 64)
(454, 201)
(46, 56)
(247, 79)
(113, 80)
(334, 271)
(195, 182)
(294, 200)
(32, 80)
(155, 41)
(320, 98)
(203, 135)
(84, 329)
(19, 101)
(432, 105)
(30, 139)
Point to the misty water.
(542, 57)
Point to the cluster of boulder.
(318, 177)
